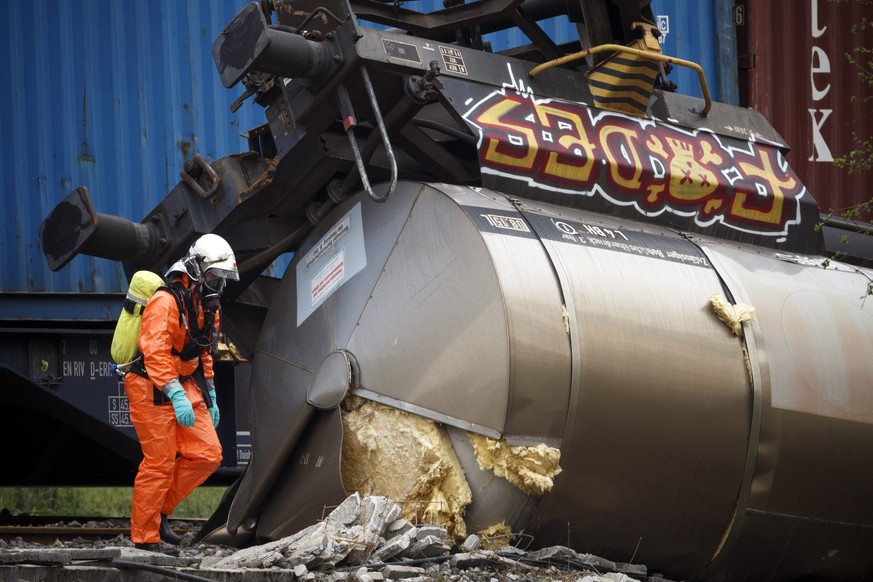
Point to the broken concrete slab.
(400, 572)
(471, 543)
(428, 547)
(391, 548)
(398, 527)
(486, 559)
(560, 555)
(424, 531)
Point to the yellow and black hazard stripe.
(623, 83)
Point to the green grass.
(98, 501)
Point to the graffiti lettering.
(515, 146)
(576, 148)
(569, 148)
(770, 211)
(620, 146)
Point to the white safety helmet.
(209, 259)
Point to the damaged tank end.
(533, 292)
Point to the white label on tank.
(506, 222)
(337, 256)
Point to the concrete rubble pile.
(359, 530)
(366, 539)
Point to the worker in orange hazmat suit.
(171, 389)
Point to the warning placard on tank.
(337, 256)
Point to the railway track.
(51, 529)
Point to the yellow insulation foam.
(732, 315)
(495, 537)
(531, 469)
(407, 458)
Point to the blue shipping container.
(704, 33)
(114, 96)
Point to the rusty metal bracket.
(195, 168)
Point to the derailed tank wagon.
(531, 291)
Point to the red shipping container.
(794, 70)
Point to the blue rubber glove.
(210, 384)
(181, 405)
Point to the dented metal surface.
(445, 322)
(525, 324)
(661, 419)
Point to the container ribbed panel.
(111, 95)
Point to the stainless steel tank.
(698, 451)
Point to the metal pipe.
(73, 227)
(248, 44)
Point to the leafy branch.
(861, 57)
(860, 158)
